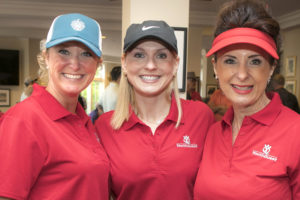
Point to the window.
(94, 90)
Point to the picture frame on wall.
(290, 85)
(290, 66)
(210, 89)
(181, 36)
(4, 97)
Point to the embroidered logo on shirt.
(265, 154)
(186, 143)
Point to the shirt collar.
(265, 116)
(172, 116)
(52, 107)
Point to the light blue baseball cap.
(75, 27)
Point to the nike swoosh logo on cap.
(144, 28)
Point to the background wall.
(28, 49)
(291, 47)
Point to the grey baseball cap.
(150, 29)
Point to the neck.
(68, 102)
(153, 110)
(241, 112)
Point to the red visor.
(244, 35)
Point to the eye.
(139, 55)
(229, 61)
(162, 55)
(255, 61)
(87, 54)
(64, 52)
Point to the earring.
(269, 80)
(216, 77)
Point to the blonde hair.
(127, 99)
(43, 71)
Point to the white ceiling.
(32, 18)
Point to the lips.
(72, 76)
(242, 89)
(149, 78)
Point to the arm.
(22, 164)
(294, 161)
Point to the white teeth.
(72, 76)
(242, 88)
(149, 78)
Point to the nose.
(75, 62)
(242, 71)
(151, 64)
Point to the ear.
(273, 68)
(45, 54)
(100, 61)
(213, 61)
(123, 63)
(177, 60)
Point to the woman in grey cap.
(48, 146)
(154, 139)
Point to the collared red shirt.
(263, 163)
(162, 166)
(46, 152)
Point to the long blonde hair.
(127, 99)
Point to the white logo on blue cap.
(77, 25)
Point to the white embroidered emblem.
(77, 25)
(267, 149)
(265, 153)
(186, 139)
(186, 143)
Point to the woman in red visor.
(253, 152)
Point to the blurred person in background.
(192, 94)
(288, 99)
(109, 97)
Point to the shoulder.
(197, 112)
(104, 120)
(28, 107)
(194, 106)
(289, 116)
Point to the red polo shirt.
(160, 166)
(46, 152)
(263, 163)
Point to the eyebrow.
(255, 55)
(251, 56)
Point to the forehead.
(243, 49)
(71, 44)
(150, 43)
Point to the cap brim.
(243, 39)
(86, 43)
(132, 43)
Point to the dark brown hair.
(250, 14)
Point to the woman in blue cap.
(48, 146)
(154, 139)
